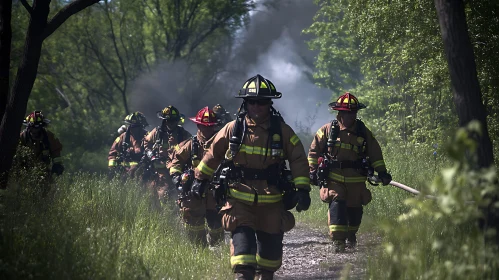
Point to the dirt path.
(308, 254)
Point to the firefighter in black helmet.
(254, 148)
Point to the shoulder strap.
(238, 132)
(334, 131)
(180, 134)
(275, 137)
(46, 142)
(361, 131)
(194, 148)
(126, 142)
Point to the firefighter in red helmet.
(194, 210)
(342, 154)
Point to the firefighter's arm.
(373, 151)
(114, 152)
(296, 157)
(55, 148)
(214, 154)
(148, 140)
(317, 146)
(181, 156)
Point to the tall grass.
(90, 228)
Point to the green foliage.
(390, 54)
(440, 239)
(92, 228)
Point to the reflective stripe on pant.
(338, 220)
(354, 215)
(215, 230)
(269, 254)
(244, 252)
(243, 248)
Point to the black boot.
(244, 272)
(263, 274)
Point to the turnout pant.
(257, 234)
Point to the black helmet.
(170, 114)
(258, 87)
(136, 118)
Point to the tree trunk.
(25, 78)
(5, 45)
(465, 86)
(38, 30)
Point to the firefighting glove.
(313, 178)
(303, 199)
(385, 177)
(57, 168)
(176, 178)
(198, 188)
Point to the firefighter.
(223, 117)
(253, 150)
(160, 145)
(194, 211)
(126, 151)
(340, 157)
(42, 142)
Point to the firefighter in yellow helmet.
(223, 117)
(194, 211)
(342, 154)
(126, 150)
(46, 147)
(259, 190)
(160, 145)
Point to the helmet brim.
(279, 95)
(193, 119)
(334, 106)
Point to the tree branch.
(66, 12)
(27, 6)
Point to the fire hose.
(375, 181)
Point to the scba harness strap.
(330, 161)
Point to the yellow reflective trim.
(342, 179)
(352, 228)
(378, 163)
(302, 180)
(334, 228)
(320, 133)
(205, 169)
(313, 161)
(252, 85)
(242, 259)
(112, 163)
(294, 140)
(193, 227)
(215, 230)
(268, 263)
(117, 140)
(262, 198)
(263, 85)
(133, 163)
(56, 160)
(159, 165)
(176, 147)
(175, 169)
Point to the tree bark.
(5, 46)
(462, 68)
(465, 86)
(38, 29)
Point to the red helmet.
(205, 117)
(35, 119)
(347, 102)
